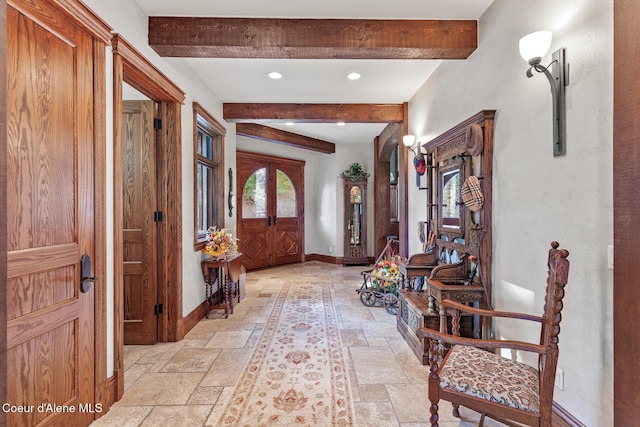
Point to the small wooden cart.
(378, 289)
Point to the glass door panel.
(285, 196)
(254, 195)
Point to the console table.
(221, 277)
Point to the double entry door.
(270, 210)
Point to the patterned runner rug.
(297, 374)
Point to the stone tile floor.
(186, 383)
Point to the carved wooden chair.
(497, 387)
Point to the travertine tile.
(205, 396)
(229, 339)
(123, 416)
(227, 367)
(355, 314)
(375, 365)
(373, 392)
(218, 409)
(378, 414)
(378, 329)
(410, 402)
(177, 416)
(353, 338)
(191, 360)
(377, 342)
(133, 373)
(162, 389)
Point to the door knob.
(85, 274)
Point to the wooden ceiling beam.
(313, 113)
(266, 133)
(208, 37)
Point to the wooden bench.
(453, 277)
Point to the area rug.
(297, 375)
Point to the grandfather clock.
(355, 222)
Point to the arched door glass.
(286, 196)
(254, 195)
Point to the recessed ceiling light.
(340, 123)
(353, 76)
(275, 75)
(289, 123)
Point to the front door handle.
(85, 274)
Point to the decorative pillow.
(489, 376)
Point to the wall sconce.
(533, 47)
(408, 141)
(231, 200)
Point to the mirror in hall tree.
(450, 212)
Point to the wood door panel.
(33, 292)
(286, 244)
(41, 193)
(139, 229)
(44, 371)
(50, 143)
(28, 261)
(254, 243)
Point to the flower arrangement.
(388, 271)
(220, 242)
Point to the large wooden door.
(139, 227)
(50, 218)
(270, 210)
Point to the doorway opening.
(147, 176)
(139, 221)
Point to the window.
(208, 173)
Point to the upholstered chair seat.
(488, 376)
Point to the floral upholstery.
(486, 375)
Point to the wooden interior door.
(50, 218)
(270, 210)
(139, 227)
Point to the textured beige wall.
(538, 198)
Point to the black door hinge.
(157, 309)
(157, 216)
(157, 123)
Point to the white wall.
(538, 198)
(323, 200)
(128, 20)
